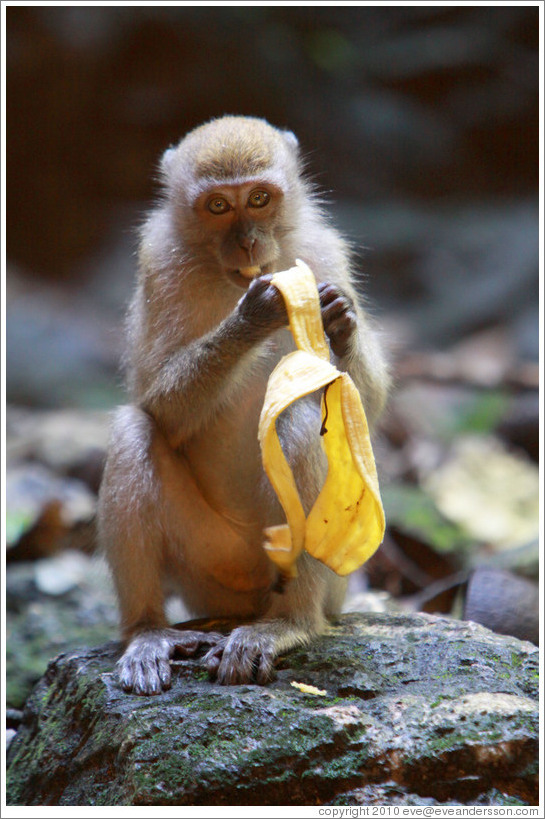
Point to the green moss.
(516, 659)
(204, 741)
(200, 674)
(444, 743)
(497, 798)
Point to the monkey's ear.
(291, 141)
(166, 161)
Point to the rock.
(503, 602)
(10, 734)
(418, 710)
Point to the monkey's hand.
(262, 306)
(144, 668)
(245, 656)
(339, 317)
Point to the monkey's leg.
(294, 618)
(132, 526)
(298, 614)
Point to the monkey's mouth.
(244, 276)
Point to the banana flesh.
(346, 524)
(250, 272)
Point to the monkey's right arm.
(196, 380)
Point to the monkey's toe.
(187, 643)
(144, 677)
(245, 656)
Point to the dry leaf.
(309, 689)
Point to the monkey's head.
(236, 190)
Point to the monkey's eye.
(218, 205)
(258, 199)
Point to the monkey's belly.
(226, 464)
(206, 595)
(220, 542)
(228, 548)
(230, 560)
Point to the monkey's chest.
(226, 460)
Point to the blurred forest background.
(422, 124)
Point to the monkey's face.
(242, 226)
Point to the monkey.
(184, 498)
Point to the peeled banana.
(346, 524)
(250, 272)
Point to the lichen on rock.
(417, 710)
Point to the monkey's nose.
(246, 243)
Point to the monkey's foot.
(245, 656)
(144, 668)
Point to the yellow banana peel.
(346, 524)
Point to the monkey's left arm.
(355, 344)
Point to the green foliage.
(18, 521)
(413, 511)
(483, 414)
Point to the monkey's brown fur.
(184, 498)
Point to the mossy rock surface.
(418, 709)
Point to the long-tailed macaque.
(184, 498)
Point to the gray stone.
(417, 710)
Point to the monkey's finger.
(239, 658)
(164, 673)
(210, 638)
(145, 677)
(186, 647)
(328, 292)
(216, 651)
(152, 677)
(147, 680)
(264, 668)
(343, 325)
(338, 309)
(212, 660)
(212, 667)
(188, 642)
(260, 284)
(247, 657)
(340, 334)
(265, 278)
(144, 686)
(127, 674)
(271, 296)
(263, 305)
(230, 670)
(126, 680)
